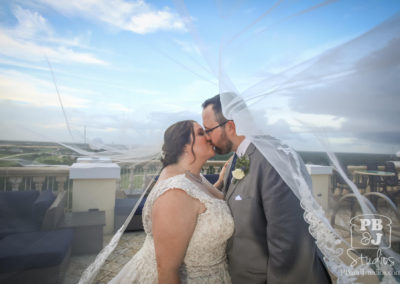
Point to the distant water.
(345, 159)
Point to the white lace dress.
(205, 259)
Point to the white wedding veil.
(355, 66)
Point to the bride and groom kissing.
(246, 228)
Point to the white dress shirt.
(242, 148)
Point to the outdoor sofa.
(32, 248)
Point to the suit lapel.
(233, 186)
(226, 178)
(231, 189)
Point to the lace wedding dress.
(205, 259)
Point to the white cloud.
(309, 120)
(29, 24)
(33, 52)
(138, 16)
(49, 126)
(109, 129)
(23, 65)
(27, 39)
(305, 122)
(26, 89)
(116, 107)
(153, 21)
(148, 92)
(188, 47)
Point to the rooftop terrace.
(328, 191)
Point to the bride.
(186, 220)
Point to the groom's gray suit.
(271, 242)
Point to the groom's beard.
(224, 147)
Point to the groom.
(271, 242)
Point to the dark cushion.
(55, 214)
(34, 250)
(17, 203)
(124, 206)
(5, 209)
(9, 226)
(40, 206)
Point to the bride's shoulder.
(173, 187)
(176, 181)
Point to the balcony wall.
(134, 178)
(38, 178)
(57, 177)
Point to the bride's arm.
(174, 217)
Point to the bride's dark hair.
(175, 138)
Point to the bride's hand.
(220, 180)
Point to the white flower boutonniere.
(238, 174)
(241, 168)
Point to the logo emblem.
(370, 231)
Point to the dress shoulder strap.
(182, 181)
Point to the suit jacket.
(271, 242)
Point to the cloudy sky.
(125, 70)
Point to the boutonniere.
(241, 168)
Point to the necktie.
(228, 182)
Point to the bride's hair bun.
(175, 138)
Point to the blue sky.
(126, 70)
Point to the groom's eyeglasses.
(208, 131)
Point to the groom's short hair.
(216, 106)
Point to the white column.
(15, 181)
(60, 183)
(321, 183)
(131, 185)
(94, 187)
(38, 181)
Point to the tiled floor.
(128, 245)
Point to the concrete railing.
(57, 177)
(132, 177)
(38, 178)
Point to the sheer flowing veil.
(349, 72)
